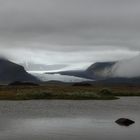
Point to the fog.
(127, 68)
(74, 60)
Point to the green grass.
(66, 92)
(66, 96)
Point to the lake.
(69, 120)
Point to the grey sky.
(55, 27)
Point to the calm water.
(69, 120)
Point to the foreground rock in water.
(124, 122)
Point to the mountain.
(103, 74)
(10, 72)
(100, 70)
(96, 71)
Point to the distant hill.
(10, 72)
(96, 71)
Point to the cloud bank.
(127, 68)
(73, 32)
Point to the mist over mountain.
(52, 34)
(59, 77)
(31, 66)
(69, 32)
(125, 71)
(101, 70)
(96, 71)
(10, 72)
(127, 68)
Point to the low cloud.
(73, 32)
(74, 60)
(127, 68)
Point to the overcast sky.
(76, 32)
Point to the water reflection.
(78, 124)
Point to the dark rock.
(124, 122)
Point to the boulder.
(124, 121)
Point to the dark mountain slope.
(100, 70)
(10, 72)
